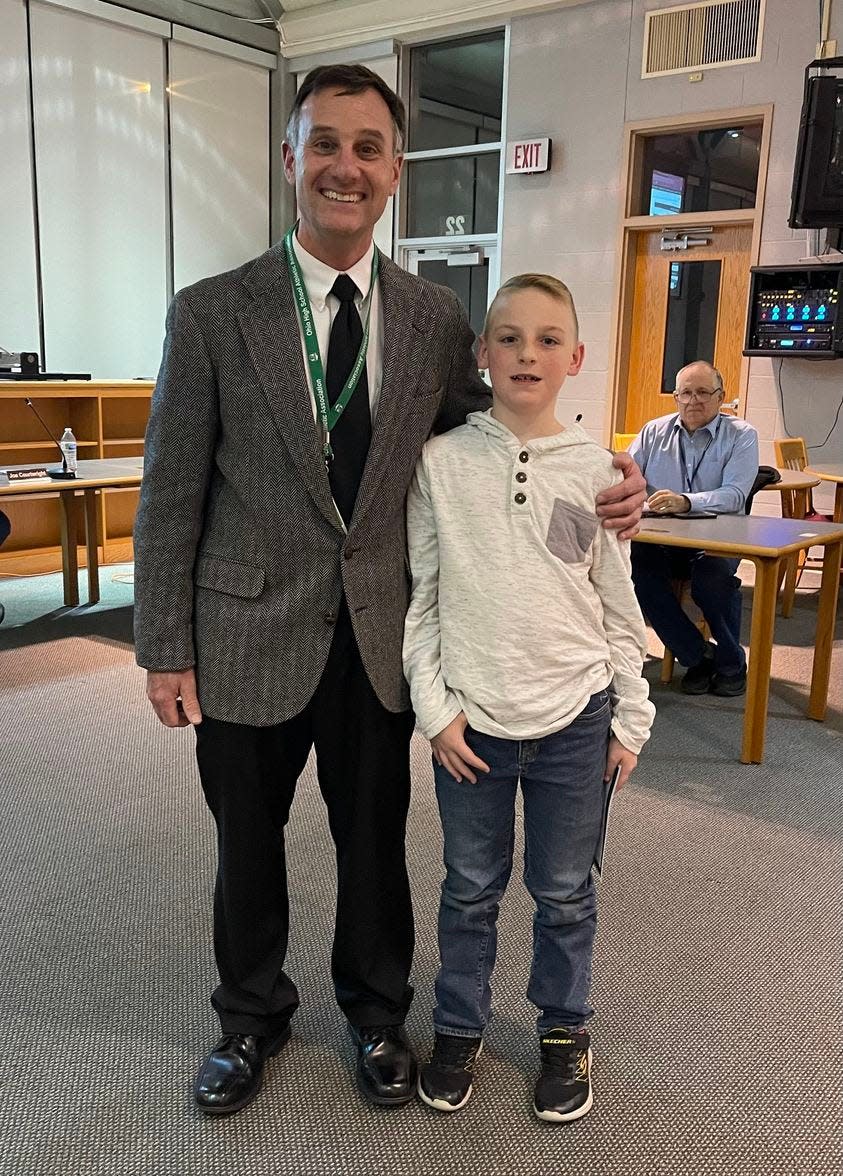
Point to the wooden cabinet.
(108, 419)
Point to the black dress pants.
(249, 777)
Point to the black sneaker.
(697, 680)
(728, 685)
(445, 1083)
(563, 1091)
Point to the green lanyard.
(328, 414)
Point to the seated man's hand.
(453, 753)
(669, 502)
(620, 506)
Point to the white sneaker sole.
(439, 1104)
(558, 1116)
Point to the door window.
(691, 328)
(701, 169)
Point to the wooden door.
(687, 304)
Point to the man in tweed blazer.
(273, 625)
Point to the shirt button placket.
(520, 498)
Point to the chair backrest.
(791, 453)
(623, 440)
(766, 476)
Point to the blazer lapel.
(403, 329)
(271, 330)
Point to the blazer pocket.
(571, 531)
(225, 575)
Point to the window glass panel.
(693, 295)
(456, 93)
(700, 170)
(470, 283)
(452, 196)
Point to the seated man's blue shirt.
(714, 467)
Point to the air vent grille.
(702, 36)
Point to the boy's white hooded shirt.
(522, 604)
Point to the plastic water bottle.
(68, 448)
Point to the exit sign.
(528, 155)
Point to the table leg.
(69, 559)
(767, 572)
(824, 639)
(91, 551)
(838, 503)
(794, 506)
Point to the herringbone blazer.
(240, 555)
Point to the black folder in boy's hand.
(609, 789)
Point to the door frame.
(630, 226)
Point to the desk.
(91, 476)
(831, 471)
(767, 542)
(793, 487)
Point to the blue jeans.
(715, 589)
(561, 778)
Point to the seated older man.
(696, 459)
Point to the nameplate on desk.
(36, 474)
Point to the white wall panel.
(219, 130)
(101, 163)
(18, 287)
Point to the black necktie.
(351, 434)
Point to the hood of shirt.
(499, 434)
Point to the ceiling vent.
(702, 36)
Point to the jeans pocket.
(596, 707)
(570, 532)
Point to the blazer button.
(523, 455)
(520, 498)
(349, 552)
(520, 476)
(330, 618)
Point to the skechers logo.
(557, 1041)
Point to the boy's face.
(530, 349)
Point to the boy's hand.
(453, 753)
(620, 506)
(618, 754)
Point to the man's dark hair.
(348, 79)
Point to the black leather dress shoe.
(232, 1073)
(387, 1070)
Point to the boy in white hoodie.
(523, 648)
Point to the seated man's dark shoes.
(387, 1070)
(728, 685)
(698, 678)
(232, 1073)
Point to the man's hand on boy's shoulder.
(620, 506)
(451, 751)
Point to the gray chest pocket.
(570, 532)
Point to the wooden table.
(831, 471)
(92, 476)
(768, 543)
(793, 487)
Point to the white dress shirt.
(318, 280)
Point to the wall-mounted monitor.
(817, 193)
(795, 310)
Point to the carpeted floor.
(718, 1039)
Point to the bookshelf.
(108, 419)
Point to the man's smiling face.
(344, 168)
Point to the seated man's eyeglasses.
(686, 396)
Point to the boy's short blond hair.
(547, 284)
